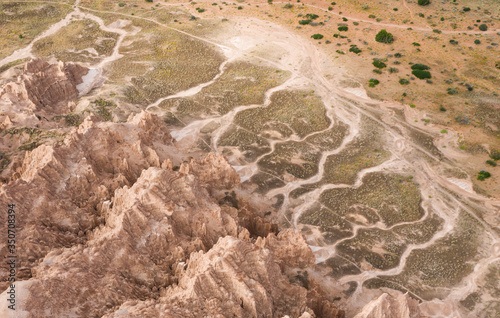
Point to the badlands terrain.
(250, 159)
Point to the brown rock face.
(387, 306)
(41, 89)
(106, 228)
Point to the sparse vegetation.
(404, 81)
(373, 82)
(424, 2)
(317, 36)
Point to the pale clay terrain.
(216, 255)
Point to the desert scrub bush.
(404, 81)
(317, 36)
(495, 155)
(412, 105)
(304, 22)
(340, 52)
(312, 16)
(354, 48)
(452, 91)
(343, 28)
(483, 175)
(371, 16)
(416, 44)
(377, 71)
(240, 8)
(423, 2)
(491, 163)
(355, 23)
(373, 82)
(384, 37)
(379, 64)
(288, 6)
(483, 27)
(121, 4)
(200, 10)
(421, 67)
(330, 8)
(103, 107)
(454, 42)
(444, 131)
(477, 41)
(466, 9)
(393, 70)
(397, 55)
(73, 120)
(149, 0)
(421, 74)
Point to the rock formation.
(387, 306)
(108, 227)
(42, 89)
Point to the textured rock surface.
(107, 227)
(42, 89)
(387, 306)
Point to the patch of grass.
(72, 41)
(28, 19)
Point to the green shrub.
(355, 23)
(373, 82)
(452, 91)
(477, 41)
(121, 4)
(371, 16)
(421, 67)
(333, 3)
(330, 8)
(495, 155)
(149, 0)
(343, 28)
(483, 27)
(442, 109)
(317, 36)
(200, 10)
(444, 131)
(304, 22)
(288, 6)
(466, 9)
(491, 163)
(393, 70)
(340, 52)
(240, 8)
(412, 105)
(398, 55)
(312, 16)
(354, 48)
(437, 31)
(384, 37)
(482, 175)
(423, 2)
(377, 71)
(416, 44)
(344, 19)
(421, 74)
(404, 81)
(379, 64)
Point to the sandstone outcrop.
(387, 306)
(43, 89)
(114, 222)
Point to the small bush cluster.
(354, 48)
(483, 27)
(404, 81)
(343, 28)
(483, 175)
(384, 37)
(421, 74)
(317, 36)
(424, 2)
(373, 82)
(379, 64)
